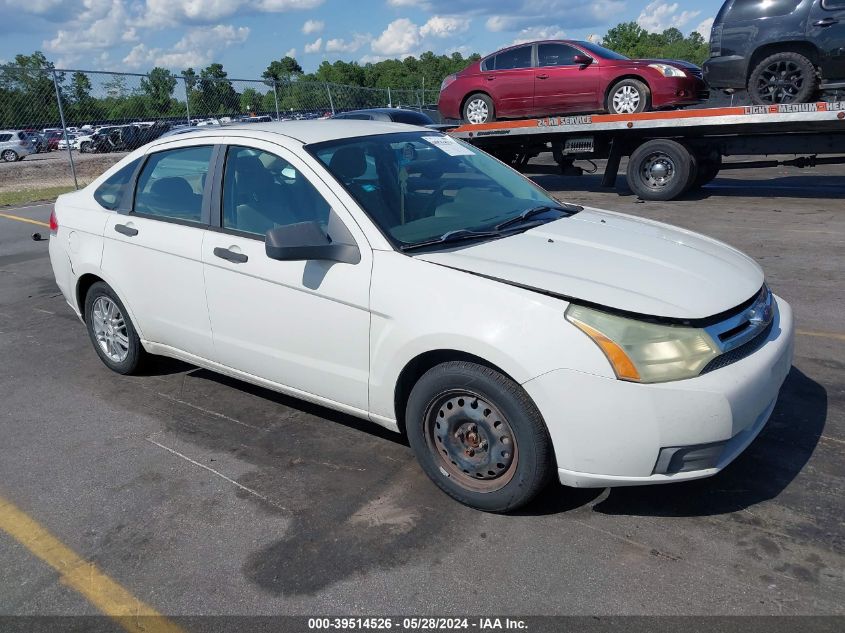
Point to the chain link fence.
(60, 128)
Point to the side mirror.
(582, 60)
(307, 241)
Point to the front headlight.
(668, 71)
(645, 352)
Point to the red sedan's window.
(556, 55)
(514, 58)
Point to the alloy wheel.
(477, 111)
(9, 156)
(473, 440)
(626, 100)
(658, 170)
(109, 328)
(780, 82)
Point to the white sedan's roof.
(312, 131)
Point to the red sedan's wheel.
(629, 96)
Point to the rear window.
(110, 194)
(755, 9)
(412, 118)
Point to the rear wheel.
(9, 155)
(478, 108)
(112, 333)
(629, 96)
(708, 169)
(783, 78)
(479, 437)
(660, 170)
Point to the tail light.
(448, 80)
(54, 223)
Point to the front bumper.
(609, 432)
(674, 91)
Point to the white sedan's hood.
(617, 261)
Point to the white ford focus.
(402, 276)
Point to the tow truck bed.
(671, 152)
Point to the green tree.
(158, 86)
(282, 69)
(216, 94)
(250, 100)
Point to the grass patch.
(33, 195)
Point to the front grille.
(737, 354)
(696, 72)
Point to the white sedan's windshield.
(419, 186)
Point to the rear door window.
(5, 137)
(514, 58)
(171, 184)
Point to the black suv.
(782, 51)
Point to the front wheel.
(9, 155)
(478, 109)
(112, 333)
(85, 147)
(629, 96)
(479, 436)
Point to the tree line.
(28, 91)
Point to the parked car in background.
(72, 140)
(52, 139)
(396, 115)
(37, 140)
(781, 51)
(512, 337)
(15, 145)
(564, 76)
(122, 138)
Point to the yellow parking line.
(834, 335)
(82, 576)
(20, 219)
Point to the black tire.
(85, 147)
(708, 169)
(635, 89)
(9, 155)
(135, 353)
(660, 170)
(500, 465)
(481, 101)
(783, 78)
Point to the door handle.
(542, 76)
(231, 256)
(826, 22)
(125, 230)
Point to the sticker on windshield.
(449, 145)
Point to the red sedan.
(556, 77)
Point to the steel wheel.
(477, 111)
(626, 100)
(780, 82)
(9, 156)
(658, 170)
(473, 440)
(110, 329)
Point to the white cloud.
(312, 26)
(315, 46)
(659, 16)
(551, 32)
(444, 26)
(104, 24)
(422, 4)
(705, 27)
(339, 45)
(196, 48)
(163, 13)
(400, 36)
(290, 53)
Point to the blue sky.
(244, 35)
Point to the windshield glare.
(418, 186)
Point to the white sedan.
(402, 276)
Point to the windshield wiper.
(460, 235)
(568, 209)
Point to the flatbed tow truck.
(671, 152)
